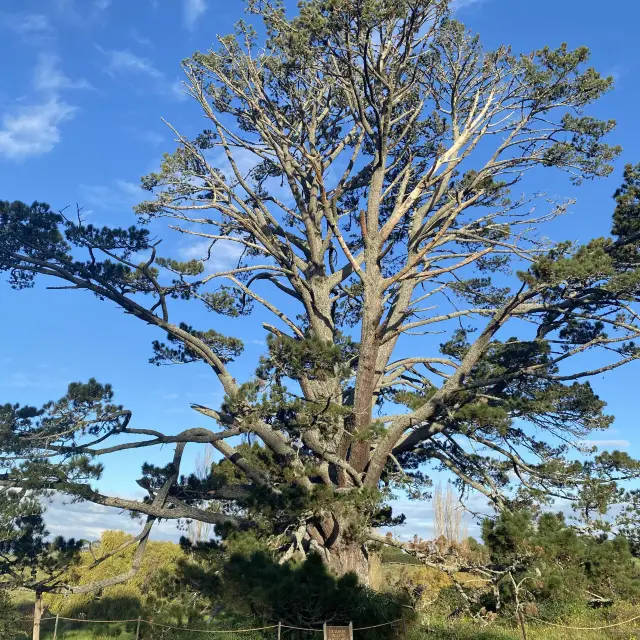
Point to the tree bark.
(341, 554)
(38, 609)
(368, 375)
(349, 557)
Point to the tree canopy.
(367, 156)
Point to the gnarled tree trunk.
(349, 557)
(341, 553)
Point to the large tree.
(363, 156)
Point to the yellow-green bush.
(124, 600)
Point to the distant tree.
(363, 159)
(29, 560)
(197, 530)
(448, 514)
(137, 596)
(556, 565)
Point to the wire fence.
(600, 628)
(278, 630)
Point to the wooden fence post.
(38, 608)
(138, 628)
(55, 628)
(522, 625)
(279, 630)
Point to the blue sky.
(85, 85)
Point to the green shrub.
(9, 620)
(560, 569)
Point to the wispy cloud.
(618, 72)
(30, 26)
(88, 521)
(82, 13)
(192, 10)
(224, 254)
(48, 76)
(31, 380)
(35, 129)
(119, 195)
(125, 63)
(178, 90)
(140, 39)
(606, 444)
(460, 4)
(154, 138)
(30, 130)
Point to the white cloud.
(123, 61)
(606, 444)
(31, 26)
(193, 9)
(461, 4)
(151, 137)
(82, 14)
(121, 194)
(146, 135)
(18, 380)
(140, 39)
(33, 380)
(178, 90)
(224, 254)
(129, 189)
(48, 77)
(35, 129)
(245, 161)
(85, 520)
(617, 72)
(420, 519)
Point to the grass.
(22, 597)
(432, 628)
(388, 576)
(79, 634)
(439, 630)
(468, 631)
(442, 629)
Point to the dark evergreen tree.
(556, 565)
(28, 559)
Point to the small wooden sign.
(338, 633)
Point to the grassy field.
(469, 631)
(390, 575)
(385, 576)
(443, 631)
(432, 628)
